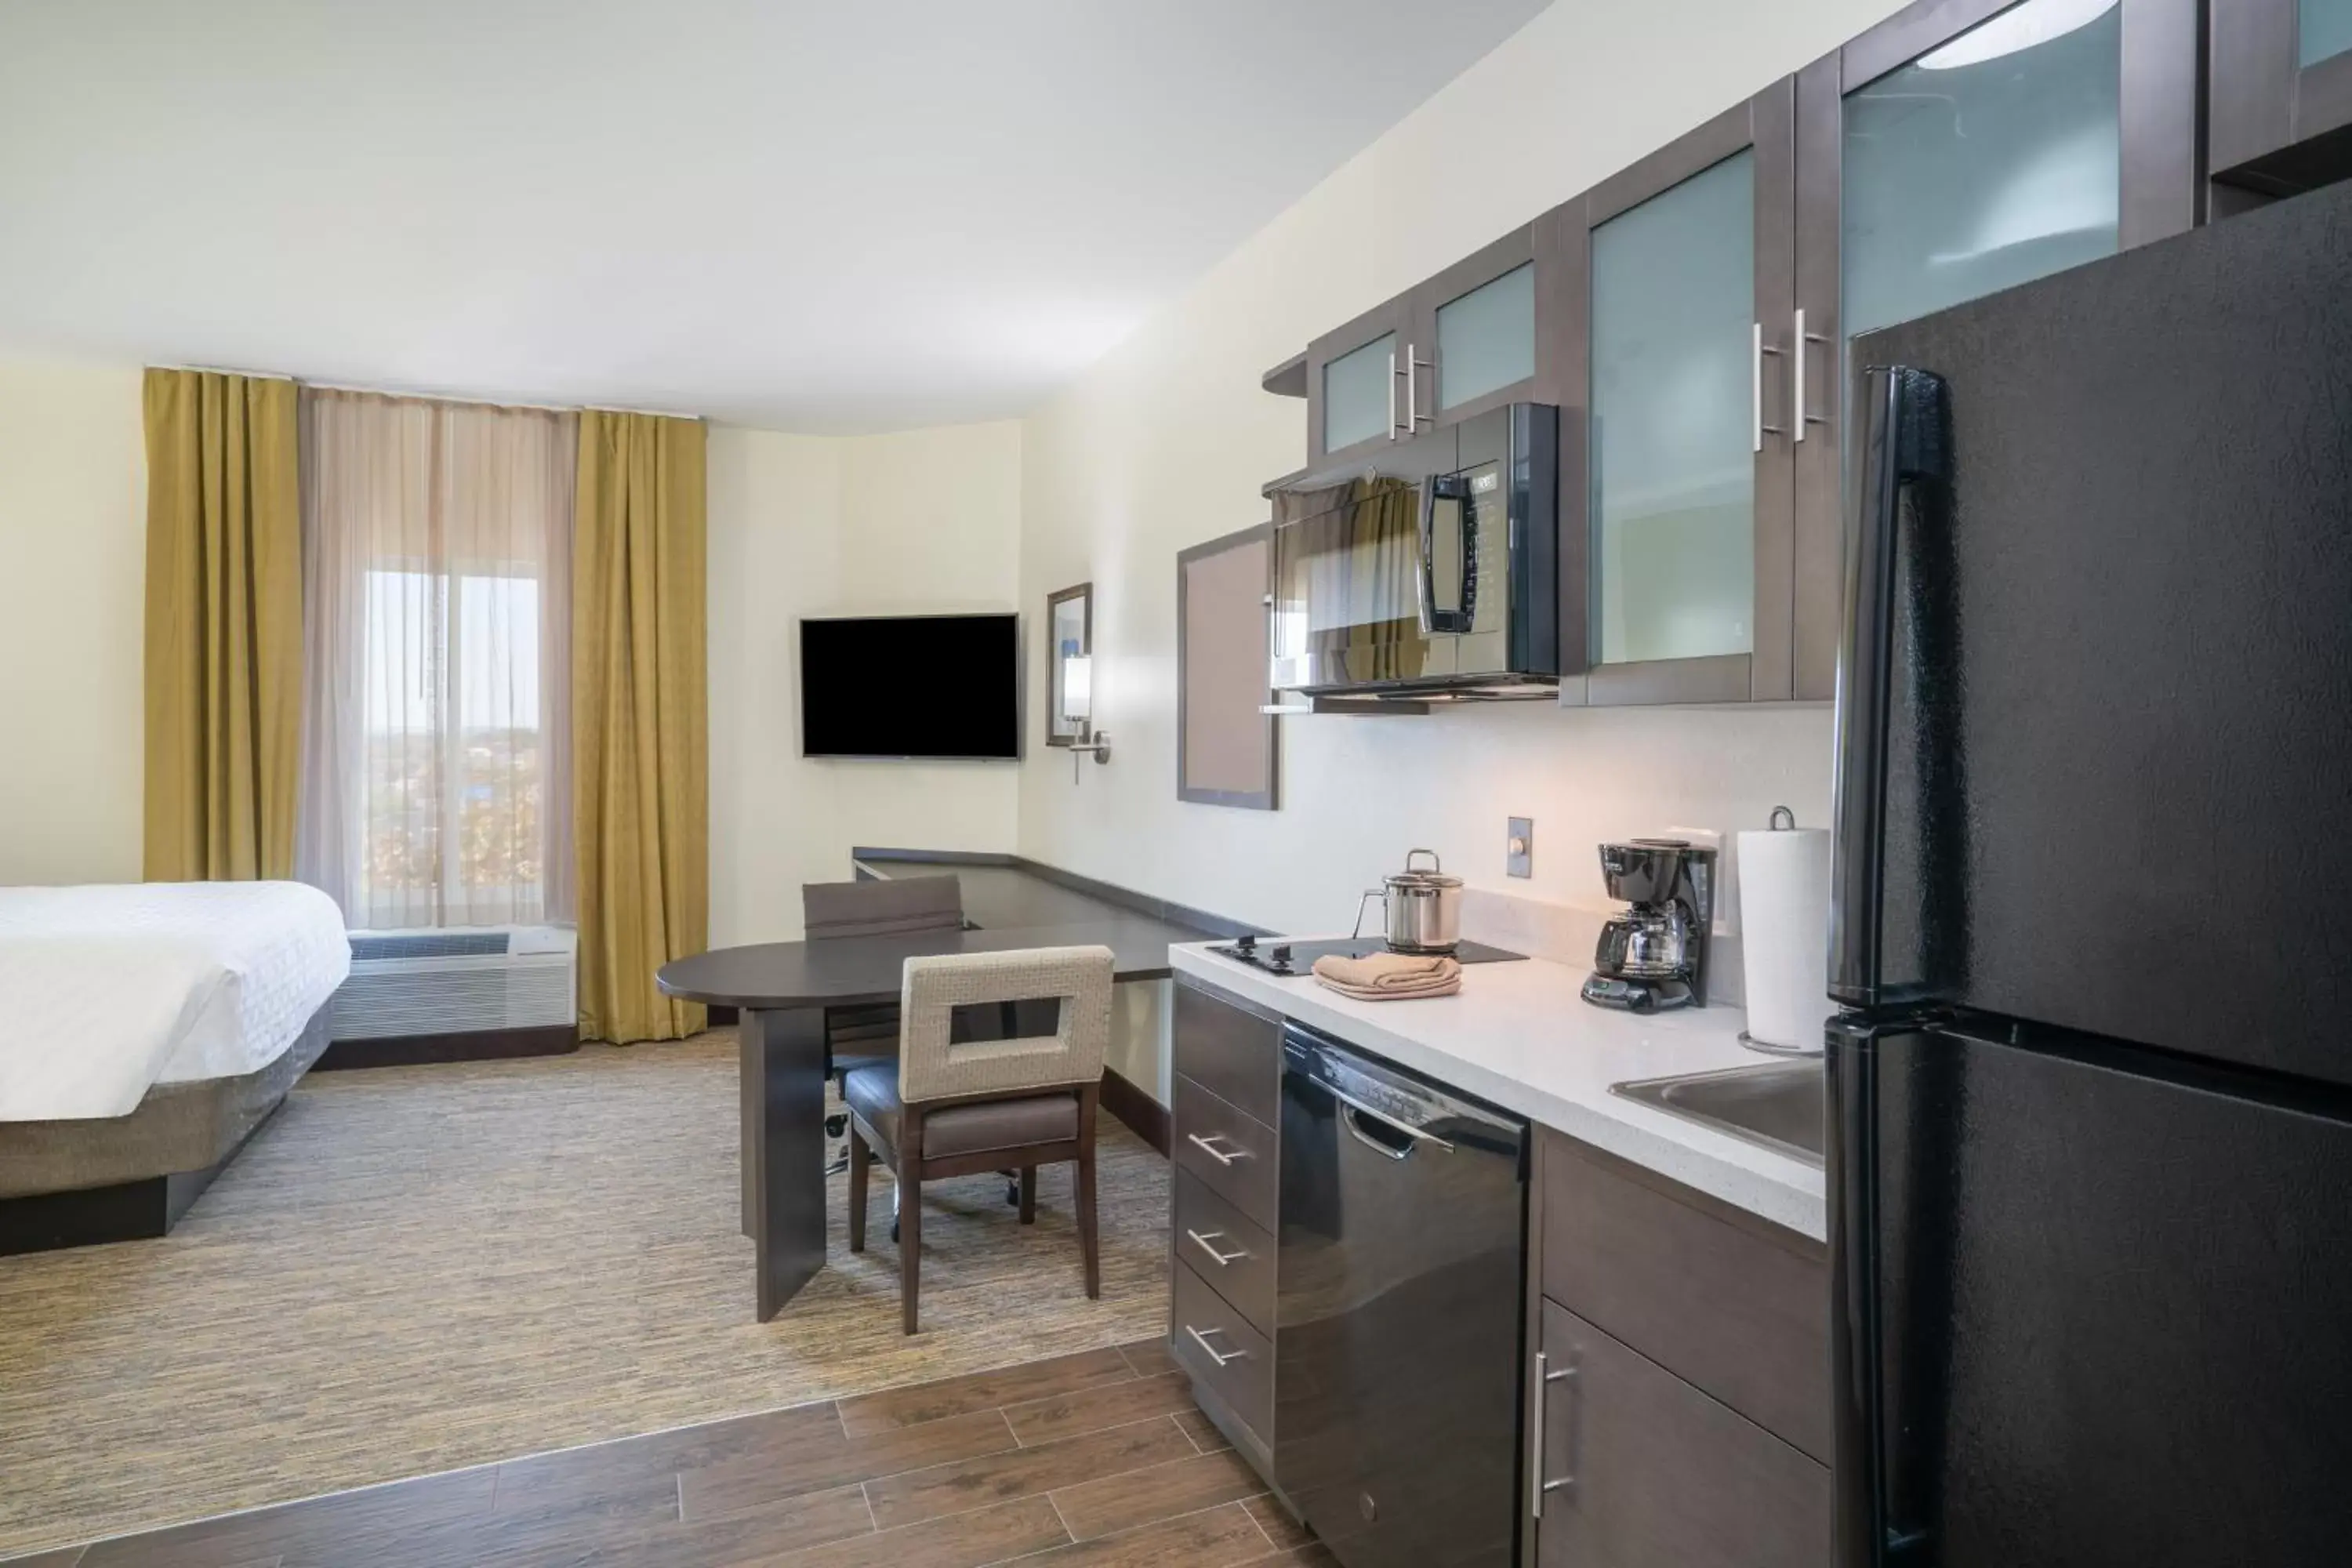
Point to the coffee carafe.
(1653, 954)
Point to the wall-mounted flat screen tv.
(911, 686)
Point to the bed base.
(133, 1178)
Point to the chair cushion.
(1048, 1117)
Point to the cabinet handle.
(1797, 380)
(1209, 1350)
(1414, 418)
(1209, 1146)
(1223, 1259)
(1540, 1486)
(1392, 423)
(1756, 388)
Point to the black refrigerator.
(2090, 1119)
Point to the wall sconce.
(1077, 710)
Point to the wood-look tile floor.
(1096, 1458)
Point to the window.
(436, 784)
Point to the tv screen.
(911, 686)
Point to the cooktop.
(1276, 956)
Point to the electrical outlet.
(1520, 847)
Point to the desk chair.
(861, 1036)
(955, 1107)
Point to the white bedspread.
(107, 990)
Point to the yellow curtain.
(639, 737)
(224, 657)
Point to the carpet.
(418, 1269)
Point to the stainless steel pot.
(1424, 908)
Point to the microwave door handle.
(1447, 486)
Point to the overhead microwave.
(1430, 575)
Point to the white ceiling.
(825, 217)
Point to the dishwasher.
(1400, 1299)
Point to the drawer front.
(1227, 1248)
(1658, 1475)
(1232, 1051)
(1222, 1352)
(1231, 1153)
(1744, 1316)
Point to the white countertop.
(1519, 1035)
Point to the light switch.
(1520, 847)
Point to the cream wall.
(73, 546)
(1166, 441)
(927, 519)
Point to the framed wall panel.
(1226, 752)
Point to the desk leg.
(782, 1089)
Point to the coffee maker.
(1653, 956)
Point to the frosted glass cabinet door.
(1358, 397)
(1486, 338)
(1986, 162)
(1673, 419)
(2323, 29)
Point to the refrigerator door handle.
(1902, 446)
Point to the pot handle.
(1370, 894)
(1435, 865)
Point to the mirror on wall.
(1070, 637)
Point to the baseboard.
(126, 1211)
(424, 1050)
(1145, 1115)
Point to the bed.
(146, 1032)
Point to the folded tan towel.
(1389, 976)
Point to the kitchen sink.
(1773, 1105)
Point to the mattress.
(108, 990)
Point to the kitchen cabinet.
(1645, 1471)
(1223, 1207)
(1678, 1375)
(1958, 148)
(1472, 338)
(1676, 488)
(2278, 106)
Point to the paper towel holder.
(1781, 820)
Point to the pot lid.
(1409, 879)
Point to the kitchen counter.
(1519, 1035)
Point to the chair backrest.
(932, 1065)
(881, 908)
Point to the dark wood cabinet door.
(1482, 325)
(1644, 1471)
(2279, 110)
(1957, 148)
(1356, 392)
(1677, 275)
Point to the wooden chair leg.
(1028, 1194)
(910, 1218)
(857, 1157)
(1086, 1246)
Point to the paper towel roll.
(1784, 935)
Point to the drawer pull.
(1541, 1486)
(1222, 1259)
(1209, 1146)
(1202, 1339)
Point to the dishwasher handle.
(1351, 1107)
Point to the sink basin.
(1773, 1105)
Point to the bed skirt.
(67, 1184)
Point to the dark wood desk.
(783, 989)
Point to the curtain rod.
(432, 396)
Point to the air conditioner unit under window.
(457, 981)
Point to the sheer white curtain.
(436, 746)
